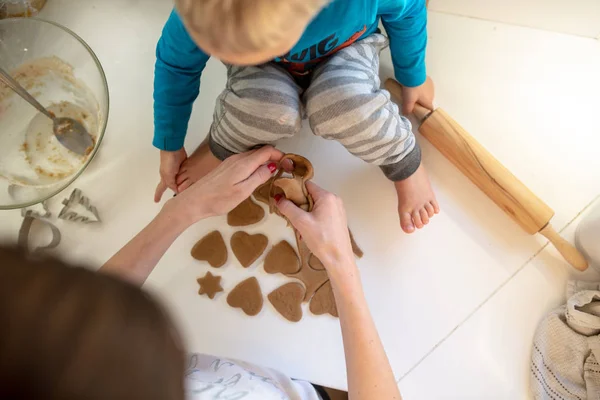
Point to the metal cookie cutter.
(23, 242)
(76, 198)
(30, 211)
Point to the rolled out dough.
(312, 280)
(323, 302)
(262, 192)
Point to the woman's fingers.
(258, 177)
(287, 165)
(291, 211)
(255, 159)
(315, 190)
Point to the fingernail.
(272, 167)
(278, 198)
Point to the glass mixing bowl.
(62, 72)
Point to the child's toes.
(430, 210)
(424, 216)
(435, 205)
(406, 222)
(416, 217)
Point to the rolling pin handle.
(568, 251)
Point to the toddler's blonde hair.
(246, 25)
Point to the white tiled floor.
(530, 96)
(487, 357)
(577, 17)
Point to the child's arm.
(179, 64)
(405, 22)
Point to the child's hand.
(170, 162)
(419, 94)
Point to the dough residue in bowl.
(30, 154)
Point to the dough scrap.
(282, 259)
(210, 285)
(211, 248)
(287, 300)
(323, 302)
(293, 188)
(247, 248)
(315, 263)
(247, 296)
(262, 192)
(246, 213)
(312, 280)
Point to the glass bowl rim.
(103, 123)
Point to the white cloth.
(566, 348)
(209, 377)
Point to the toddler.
(286, 59)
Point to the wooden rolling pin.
(497, 182)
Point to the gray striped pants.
(344, 102)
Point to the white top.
(209, 377)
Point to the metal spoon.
(69, 132)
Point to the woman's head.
(247, 32)
(70, 333)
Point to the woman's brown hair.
(70, 333)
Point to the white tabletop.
(419, 287)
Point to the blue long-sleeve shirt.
(180, 62)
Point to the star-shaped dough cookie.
(210, 285)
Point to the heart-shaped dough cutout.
(211, 248)
(323, 302)
(282, 259)
(247, 248)
(246, 213)
(287, 300)
(247, 296)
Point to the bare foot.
(416, 201)
(197, 165)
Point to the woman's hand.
(227, 185)
(419, 94)
(324, 229)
